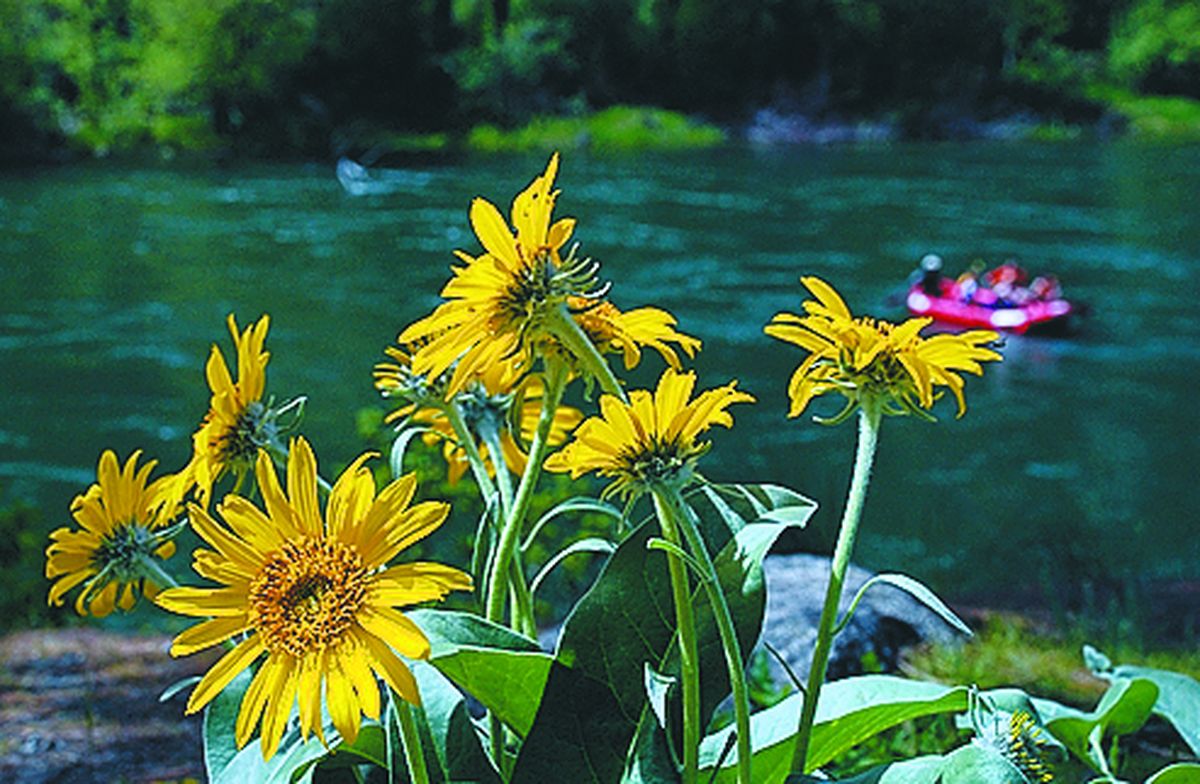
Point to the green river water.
(1075, 468)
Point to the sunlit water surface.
(1076, 464)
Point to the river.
(1074, 469)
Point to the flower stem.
(519, 589)
(467, 441)
(503, 561)
(580, 346)
(556, 378)
(689, 665)
(729, 641)
(490, 433)
(411, 737)
(156, 573)
(868, 433)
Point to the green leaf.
(1178, 700)
(593, 544)
(849, 712)
(625, 621)
(741, 504)
(918, 770)
(658, 686)
(369, 747)
(576, 504)
(975, 763)
(453, 737)
(220, 745)
(178, 686)
(1122, 710)
(293, 754)
(502, 669)
(404, 437)
(1182, 773)
(914, 588)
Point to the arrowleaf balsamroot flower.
(652, 440)
(612, 329)
(499, 394)
(498, 303)
(312, 595)
(859, 357)
(237, 424)
(506, 304)
(120, 530)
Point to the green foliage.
(619, 128)
(1156, 47)
(22, 543)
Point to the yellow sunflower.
(120, 531)
(492, 395)
(859, 357)
(611, 329)
(313, 596)
(652, 440)
(498, 303)
(566, 418)
(237, 424)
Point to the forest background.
(320, 77)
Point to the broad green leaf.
(502, 669)
(293, 755)
(658, 686)
(976, 763)
(220, 745)
(914, 588)
(741, 504)
(1178, 700)
(918, 770)
(454, 740)
(739, 571)
(1182, 773)
(1122, 710)
(849, 712)
(369, 747)
(625, 621)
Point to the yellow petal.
(395, 629)
(391, 669)
(224, 671)
(208, 633)
(302, 487)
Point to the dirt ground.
(78, 705)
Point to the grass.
(619, 128)
(1169, 117)
(1012, 651)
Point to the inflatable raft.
(1051, 315)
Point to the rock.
(886, 621)
(81, 705)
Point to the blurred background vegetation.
(321, 77)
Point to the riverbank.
(1114, 113)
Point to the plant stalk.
(689, 664)
(870, 415)
(510, 535)
(580, 346)
(411, 737)
(729, 641)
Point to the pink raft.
(1039, 315)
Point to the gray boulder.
(886, 621)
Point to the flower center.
(307, 596)
(121, 549)
(663, 463)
